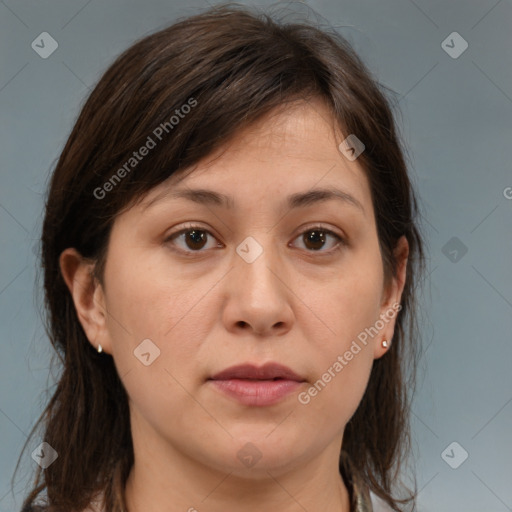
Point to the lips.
(269, 371)
(257, 386)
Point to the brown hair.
(236, 65)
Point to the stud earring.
(385, 343)
(100, 348)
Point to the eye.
(195, 239)
(315, 238)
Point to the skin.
(213, 310)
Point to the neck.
(160, 485)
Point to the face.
(194, 286)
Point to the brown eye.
(193, 239)
(314, 239)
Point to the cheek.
(160, 310)
(338, 386)
(348, 308)
(153, 301)
(349, 302)
(150, 299)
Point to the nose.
(259, 295)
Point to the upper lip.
(268, 371)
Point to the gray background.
(457, 118)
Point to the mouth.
(257, 386)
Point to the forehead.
(288, 152)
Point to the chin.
(259, 454)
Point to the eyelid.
(323, 227)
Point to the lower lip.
(257, 392)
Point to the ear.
(88, 297)
(391, 296)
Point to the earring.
(100, 348)
(385, 343)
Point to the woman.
(230, 257)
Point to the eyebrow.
(293, 201)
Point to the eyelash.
(341, 242)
